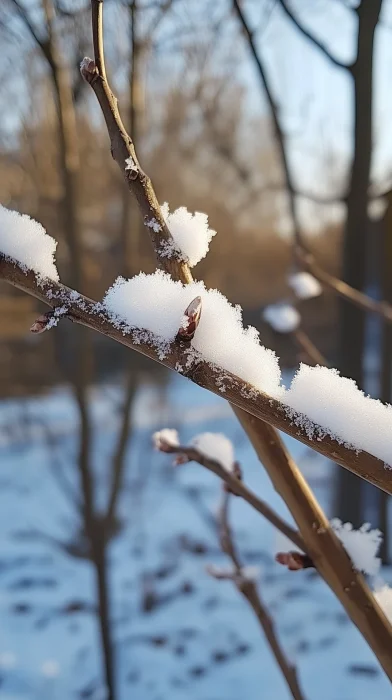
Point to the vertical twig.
(248, 589)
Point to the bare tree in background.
(356, 235)
(98, 528)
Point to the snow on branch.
(190, 232)
(217, 455)
(320, 396)
(146, 316)
(25, 240)
(216, 446)
(304, 285)
(156, 302)
(282, 317)
(361, 545)
(383, 596)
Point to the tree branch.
(249, 34)
(123, 149)
(237, 487)
(350, 589)
(308, 35)
(342, 289)
(248, 589)
(86, 312)
(118, 462)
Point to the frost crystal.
(154, 224)
(282, 317)
(157, 304)
(216, 446)
(130, 165)
(27, 242)
(304, 285)
(190, 232)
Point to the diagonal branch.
(247, 587)
(308, 35)
(242, 395)
(342, 289)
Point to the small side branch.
(310, 37)
(342, 289)
(235, 485)
(247, 587)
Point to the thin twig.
(308, 35)
(248, 589)
(342, 289)
(237, 487)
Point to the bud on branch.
(48, 320)
(88, 70)
(294, 560)
(190, 321)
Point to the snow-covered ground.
(199, 640)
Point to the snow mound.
(157, 303)
(27, 242)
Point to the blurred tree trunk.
(386, 357)
(80, 374)
(352, 319)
